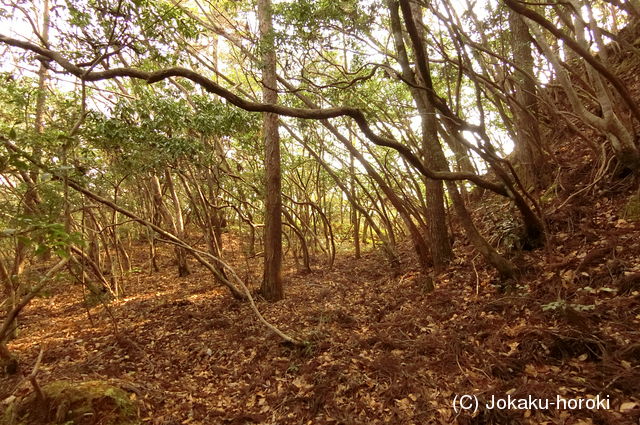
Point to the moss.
(94, 298)
(9, 365)
(631, 210)
(72, 403)
(550, 194)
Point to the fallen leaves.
(382, 351)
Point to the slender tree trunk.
(505, 267)
(31, 197)
(272, 288)
(181, 253)
(306, 263)
(355, 221)
(42, 73)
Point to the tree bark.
(181, 254)
(432, 154)
(163, 211)
(272, 288)
(527, 150)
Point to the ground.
(383, 350)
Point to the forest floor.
(383, 349)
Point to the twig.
(32, 378)
(247, 293)
(473, 263)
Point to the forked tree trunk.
(431, 145)
(181, 257)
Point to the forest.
(319, 212)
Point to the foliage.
(146, 28)
(71, 402)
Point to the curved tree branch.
(209, 85)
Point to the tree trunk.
(355, 221)
(432, 153)
(272, 288)
(527, 150)
(31, 198)
(181, 253)
(163, 211)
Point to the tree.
(528, 146)
(421, 114)
(272, 288)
